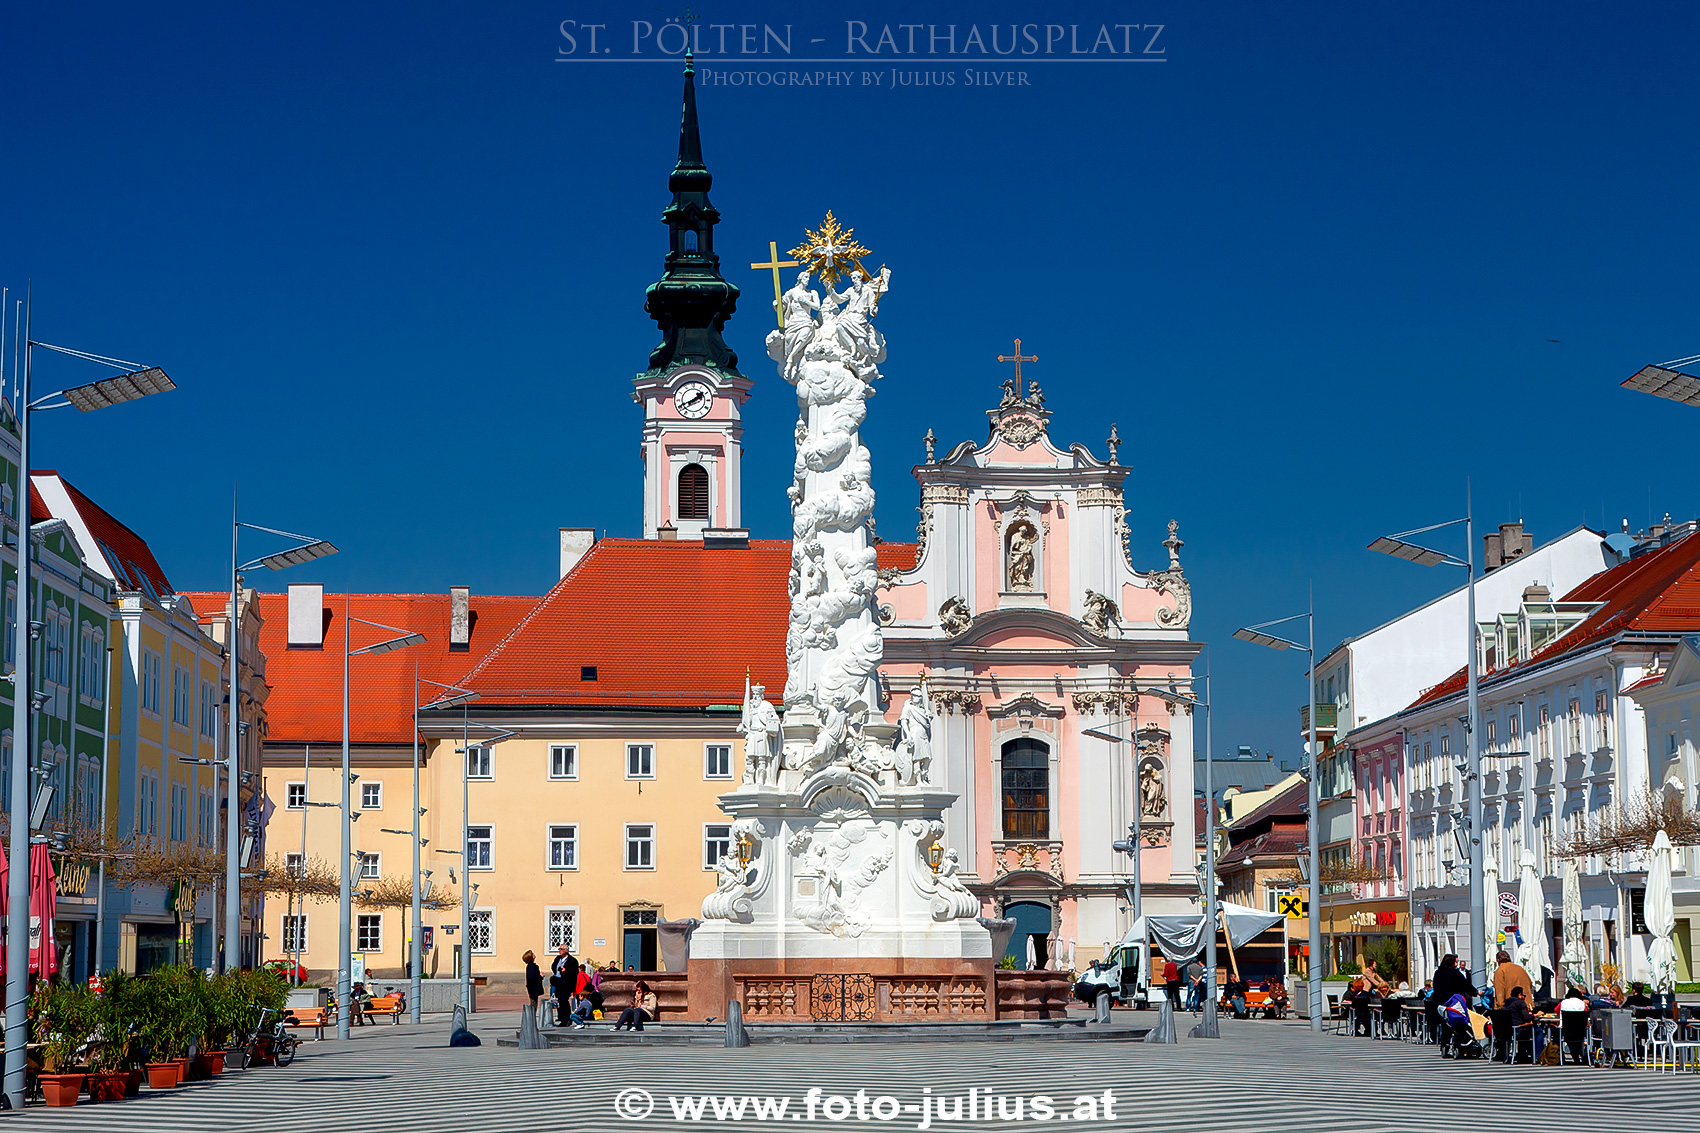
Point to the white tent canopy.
(1181, 936)
(1660, 915)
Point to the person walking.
(1449, 980)
(1194, 985)
(644, 1006)
(533, 981)
(563, 978)
(1172, 980)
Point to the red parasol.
(43, 899)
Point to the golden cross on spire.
(775, 263)
(1018, 358)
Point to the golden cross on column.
(1018, 358)
(775, 263)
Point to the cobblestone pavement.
(1260, 1075)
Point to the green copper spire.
(691, 302)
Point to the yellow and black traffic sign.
(1292, 905)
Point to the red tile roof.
(1658, 592)
(665, 624)
(305, 705)
(127, 555)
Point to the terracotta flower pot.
(133, 1082)
(162, 1075)
(182, 1065)
(215, 1061)
(107, 1086)
(61, 1089)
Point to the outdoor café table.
(1411, 1011)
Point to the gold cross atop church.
(775, 263)
(1018, 358)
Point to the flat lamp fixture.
(1264, 639)
(125, 387)
(307, 552)
(1666, 381)
(1410, 552)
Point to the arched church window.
(688, 240)
(1026, 789)
(693, 492)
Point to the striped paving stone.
(1260, 1075)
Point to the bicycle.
(276, 1045)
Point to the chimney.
(576, 543)
(306, 615)
(460, 617)
(1535, 592)
(1509, 542)
(667, 532)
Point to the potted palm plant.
(64, 1020)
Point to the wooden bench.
(386, 1005)
(306, 1018)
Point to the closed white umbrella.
(1490, 927)
(1660, 915)
(1575, 957)
(1532, 919)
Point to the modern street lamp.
(452, 696)
(304, 549)
(1399, 547)
(1313, 826)
(497, 735)
(345, 908)
(134, 381)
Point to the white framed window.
(295, 933)
(717, 761)
(293, 864)
(480, 843)
(563, 847)
(182, 697)
(369, 932)
(370, 866)
(480, 763)
(179, 812)
(91, 664)
(151, 668)
(560, 926)
(11, 648)
(295, 796)
(204, 818)
(371, 796)
(481, 931)
(209, 709)
(716, 843)
(640, 761)
(563, 761)
(1602, 720)
(640, 845)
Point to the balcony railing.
(1027, 855)
(1327, 716)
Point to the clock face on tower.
(693, 399)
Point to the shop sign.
(71, 878)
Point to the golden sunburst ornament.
(831, 251)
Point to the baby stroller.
(1459, 1031)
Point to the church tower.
(692, 393)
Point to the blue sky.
(1310, 265)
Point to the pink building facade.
(1031, 625)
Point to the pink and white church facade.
(1031, 625)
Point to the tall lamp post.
(345, 905)
(1400, 548)
(134, 381)
(452, 696)
(1313, 827)
(305, 549)
(497, 735)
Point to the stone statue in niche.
(1153, 800)
(1023, 540)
